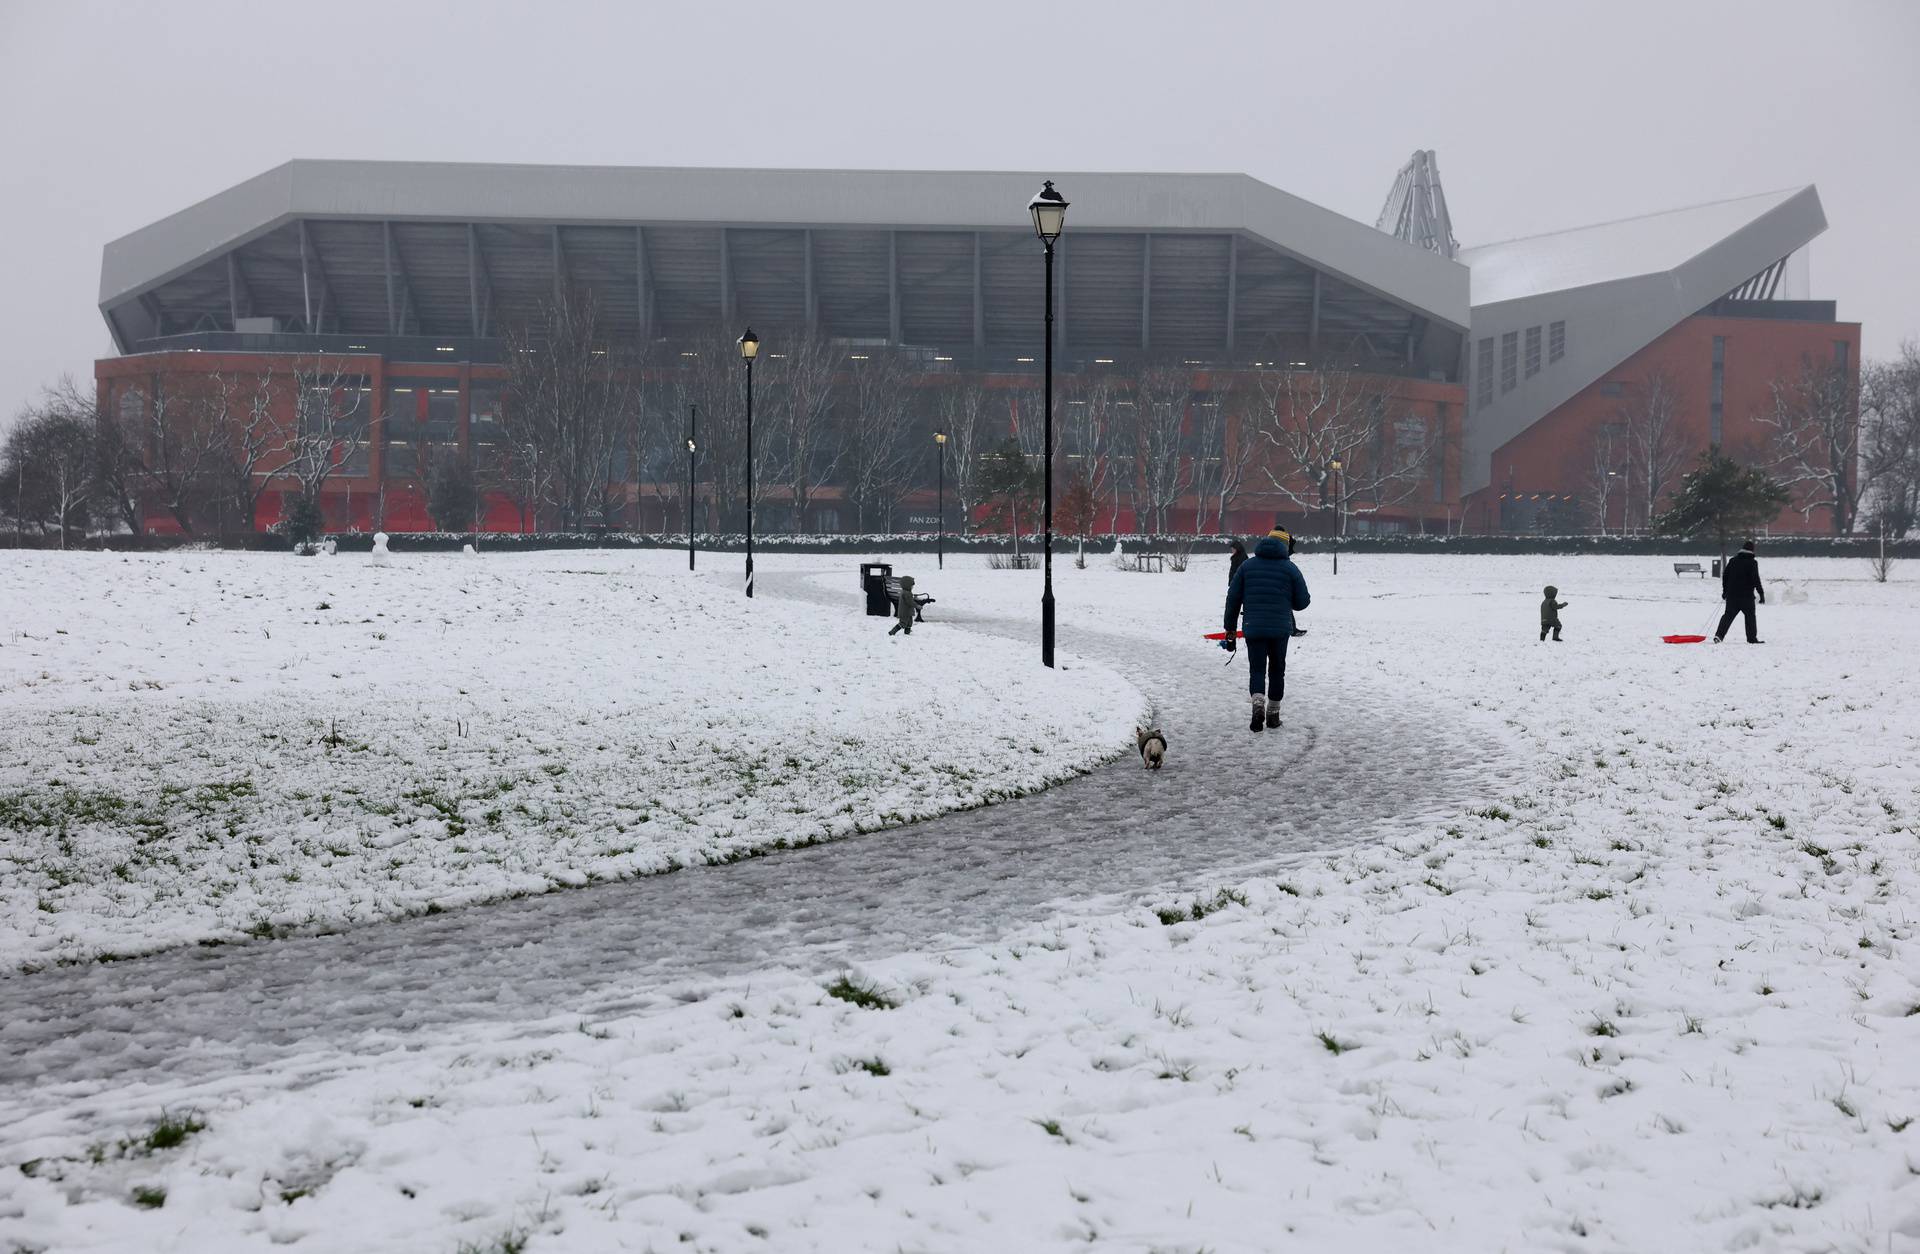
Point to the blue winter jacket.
(1270, 588)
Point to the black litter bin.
(873, 581)
(1716, 568)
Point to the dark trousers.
(1267, 665)
(1549, 627)
(1740, 607)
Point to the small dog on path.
(1153, 746)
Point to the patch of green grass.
(170, 1132)
(1812, 850)
(1598, 894)
(1170, 915)
(1499, 814)
(1541, 842)
(872, 1066)
(1602, 1027)
(1332, 1044)
(862, 995)
(149, 1196)
(1051, 1127)
(512, 1241)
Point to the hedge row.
(510, 542)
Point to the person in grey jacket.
(1267, 591)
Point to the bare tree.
(570, 407)
(962, 408)
(1813, 444)
(178, 443)
(804, 447)
(1601, 468)
(1338, 438)
(247, 444)
(1224, 444)
(710, 375)
(1092, 423)
(1160, 395)
(332, 412)
(1649, 412)
(50, 457)
(1890, 440)
(882, 452)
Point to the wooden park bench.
(1155, 562)
(1689, 568)
(920, 600)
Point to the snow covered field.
(1657, 996)
(206, 746)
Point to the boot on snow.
(1273, 713)
(1259, 713)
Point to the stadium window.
(1612, 387)
(1556, 341)
(1509, 361)
(1533, 351)
(1840, 354)
(1716, 398)
(133, 406)
(1484, 371)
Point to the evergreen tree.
(452, 498)
(1010, 486)
(300, 518)
(1722, 498)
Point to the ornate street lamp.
(749, 349)
(940, 534)
(1049, 210)
(693, 430)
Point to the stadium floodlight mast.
(693, 432)
(749, 349)
(1049, 210)
(940, 530)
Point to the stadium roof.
(675, 245)
(1606, 251)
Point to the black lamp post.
(1049, 210)
(749, 349)
(1334, 467)
(693, 431)
(940, 534)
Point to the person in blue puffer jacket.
(1270, 590)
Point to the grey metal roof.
(1615, 288)
(1648, 244)
(433, 214)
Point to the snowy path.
(1356, 769)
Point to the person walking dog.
(1739, 585)
(1269, 590)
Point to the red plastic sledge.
(1683, 639)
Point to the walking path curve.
(207, 1018)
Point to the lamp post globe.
(749, 349)
(1049, 211)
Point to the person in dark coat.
(1739, 585)
(1268, 590)
(1235, 557)
(1550, 613)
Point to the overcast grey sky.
(1544, 115)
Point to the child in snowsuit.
(1550, 613)
(903, 607)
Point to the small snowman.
(379, 548)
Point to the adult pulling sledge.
(1268, 590)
